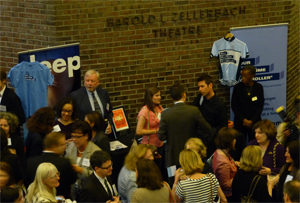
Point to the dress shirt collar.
(179, 102)
(47, 151)
(2, 91)
(100, 178)
(90, 93)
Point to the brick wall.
(137, 43)
(293, 73)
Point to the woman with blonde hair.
(198, 187)
(43, 187)
(197, 145)
(127, 176)
(250, 164)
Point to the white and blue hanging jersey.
(31, 80)
(230, 53)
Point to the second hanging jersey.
(230, 53)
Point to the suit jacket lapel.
(85, 99)
(88, 150)
(4, 97)
(99, 186)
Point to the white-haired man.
(92, 97)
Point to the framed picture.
(119, 119)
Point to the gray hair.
(91, 72)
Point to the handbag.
(171, 196)
(248, 198)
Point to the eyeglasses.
(75, 136)
(66, 111)
(107, 167)
(56, 175)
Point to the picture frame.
(119, 119)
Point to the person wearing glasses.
(54, 148)
(79, 152)
(43, 188)
(98, 187)
(67, 114)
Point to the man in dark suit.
(178, 124)
(10, 102)
(91, 97)
(98, 187)
(54, 147)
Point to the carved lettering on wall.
(176, 16)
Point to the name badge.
(159, 116)
(171, 171)
(2, 108)
(86, 162)
(8, 141)
(115, 190)
(288, 178)
(254, 98)
(107, 106)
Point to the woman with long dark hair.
(148, 123)
(97, 124)
(39, 125)
(151, 187)
(291, 168)
(223, 164)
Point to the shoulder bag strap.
(172, 199)
(212, 181)
(252, 187)
(211, 192)
(148, 124)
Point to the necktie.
(96, 104)
(108, 190)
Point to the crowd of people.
(188, 153)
